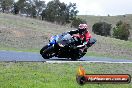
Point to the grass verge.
(53, 75)
(19, 50)
(106, 55)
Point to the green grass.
(63, 75)
(19, 50)
(116, 42)
(96, 54)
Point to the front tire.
(47, 52)
(43, 49)
(45, 56)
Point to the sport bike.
(63, 46)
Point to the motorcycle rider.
(63, 40)
(85, 36)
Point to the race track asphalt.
(36, 57)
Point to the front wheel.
(43, 49)
(47, 52)
(46, 56)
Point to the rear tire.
(74, 59)
(78, 56)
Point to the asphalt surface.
(36, 57)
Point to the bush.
(76, 22)
(121, 31)
(102, 28)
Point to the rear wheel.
(74, 54)
(78, 55)
(74, 59)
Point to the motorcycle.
(63, 46)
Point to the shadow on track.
(62, 59)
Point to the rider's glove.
(84, 43)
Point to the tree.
(33, 12)
(58, 12)
(72, 10)
(39, 6)
(121, 31)
(35, 7)
(21, 5)
(50, 12)
(6, 5)
(31, 8)
(15, 9)
(28, 8)
(102, 28)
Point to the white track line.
(84, 62)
